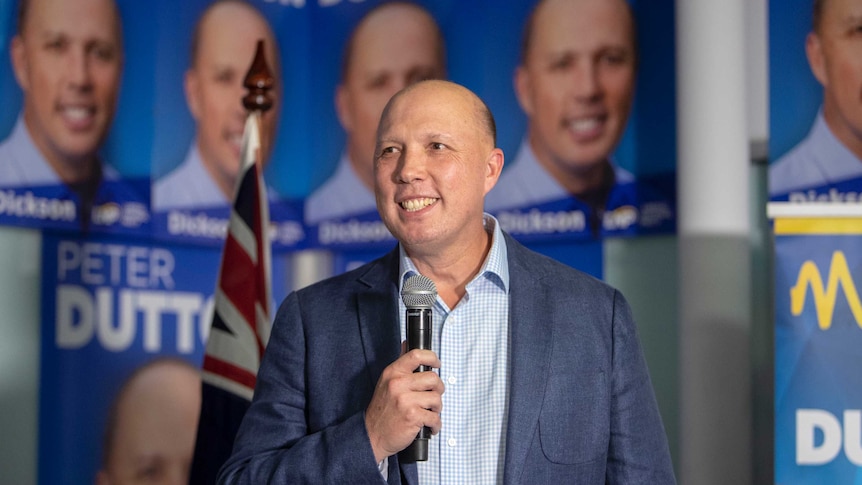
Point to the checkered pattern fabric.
(472, 343)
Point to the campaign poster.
(202, 54)
(815, 149)
(482, 49)
(75, 124)
(818, 333)
(110, 306)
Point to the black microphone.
(418, 295)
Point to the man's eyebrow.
(853, 19)
(436, 135)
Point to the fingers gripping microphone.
(418, 294)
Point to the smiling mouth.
(585, 125)
(78, 117)
(413, 205)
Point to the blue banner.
(818, 333)
(173, 119)
(110, 305)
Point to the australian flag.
(241, 320)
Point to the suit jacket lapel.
(377, 307)
(531, 336)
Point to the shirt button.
(451, 380)
(451, 442)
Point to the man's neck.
(843, 132)
(453, 269)
(575, 179)
(72, 171)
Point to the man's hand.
(403, 402)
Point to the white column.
(715, 259)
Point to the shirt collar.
(495, 267)
(35, 169)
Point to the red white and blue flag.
(241, 320)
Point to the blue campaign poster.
(818, 332)
(195, 153)
(96, 178)
(813, 136)
(643, 202)
(109, 306)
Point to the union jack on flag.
(241, 320)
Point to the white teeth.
(414, 205)
(584, 124)
(76, 114)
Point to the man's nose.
(411, 166)
(79, 69)
(585, 81)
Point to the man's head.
(576, 83)
(375, 67)
(152, 425)
(223, 47)
(435, 161)
(68, 57)
(834, 50)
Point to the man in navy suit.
(544, 378)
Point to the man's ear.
(814, 52)
(191, 85)
(493, 168)
(18, 55)
(523, 89)
(342, 103)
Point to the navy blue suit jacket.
(581, 410)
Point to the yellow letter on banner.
(824, 300)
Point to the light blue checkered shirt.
(472, 342)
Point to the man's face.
(433, 168)
(156, 428)
(835, 55)
(577, 82)
(380, 68)
(68, 60)
(214, 89)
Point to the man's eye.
(613, 58)
(224, 77)
(103, 52)
(378, 82)
(562, 63)
(437, 146)
(57, 44)
(388, 151)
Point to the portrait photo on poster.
(622, 129)
(588, 77)
(58, 164)
(197, 150)
(815, 111)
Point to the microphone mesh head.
(418, 292)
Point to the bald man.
(223, 46)
(67, 58)
(540, 376)
(151, 429)
(575, 82)
(826, 166)
(394, 45)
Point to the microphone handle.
(418, 337)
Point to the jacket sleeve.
(638, 450)
(274, 443)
